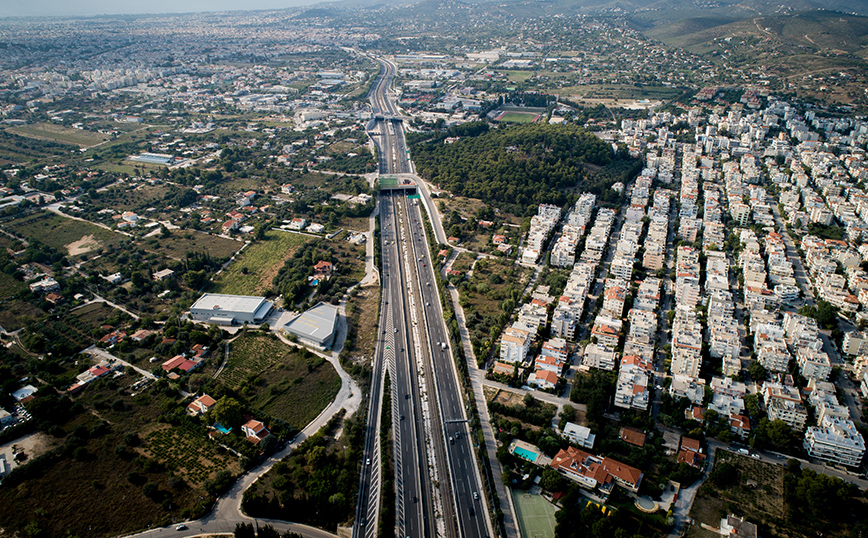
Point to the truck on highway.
(443, 346)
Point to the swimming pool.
(221, 428)
(525, 454)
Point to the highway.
(438, 491)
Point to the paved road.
(504, 494)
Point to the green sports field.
(536, 515)
(518, 117)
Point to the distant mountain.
(649, 11)
(821, 31)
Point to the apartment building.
(836, 441)
(784, 403)
(599, 356)
(632, 389)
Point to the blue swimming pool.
(221, 428)
(525, 454)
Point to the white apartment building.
(813, 364)
(785, 403)
(836, 441)
(579, 435)
(514, 344)
(632, 389)
(599, 356)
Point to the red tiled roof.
(690, 444)
(633, 436)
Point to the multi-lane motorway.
(437, 483)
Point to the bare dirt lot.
(32, 445)
(83, 245)
(504, 397)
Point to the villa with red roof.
(182, 363)
(201, 405)
(254, 431)
(594, 472)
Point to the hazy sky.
(65, 8)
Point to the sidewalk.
(504, 498)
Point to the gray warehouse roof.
(317, 324)
(228, 303)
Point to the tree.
(757, 371)
(228, 412)
(245, 530)
(551, 480)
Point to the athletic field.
(517, 117)
(536, 516)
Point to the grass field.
(362, 314)
(57, 133)
(517, 76)
(536, 515)
(179, 243)
(518, 117)
(10, 286)
(98, 314)
(15, 148)
(287, 383)
(60, 232)
(254, 269)
(14, 314)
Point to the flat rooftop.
(228, 303)
(316, 324)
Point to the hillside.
(516, 168)
(814, 31)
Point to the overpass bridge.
(398, 182)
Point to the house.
(503, 368)
(254, 431)
(165, 274)
(182, 363)
(579, 435)
(323, 269)
(552, 364)
(45, 285)
(592, 471)
(230, 225)
(6, 418)
(113, 338)
(690, 453)
(543, 379)
(24, 394)
(632, 436)
(297, 224)
(201, 405)
(732, 526)
(739, 425)
(141, 335)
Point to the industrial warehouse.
(230, 309)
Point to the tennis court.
(536, 515)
